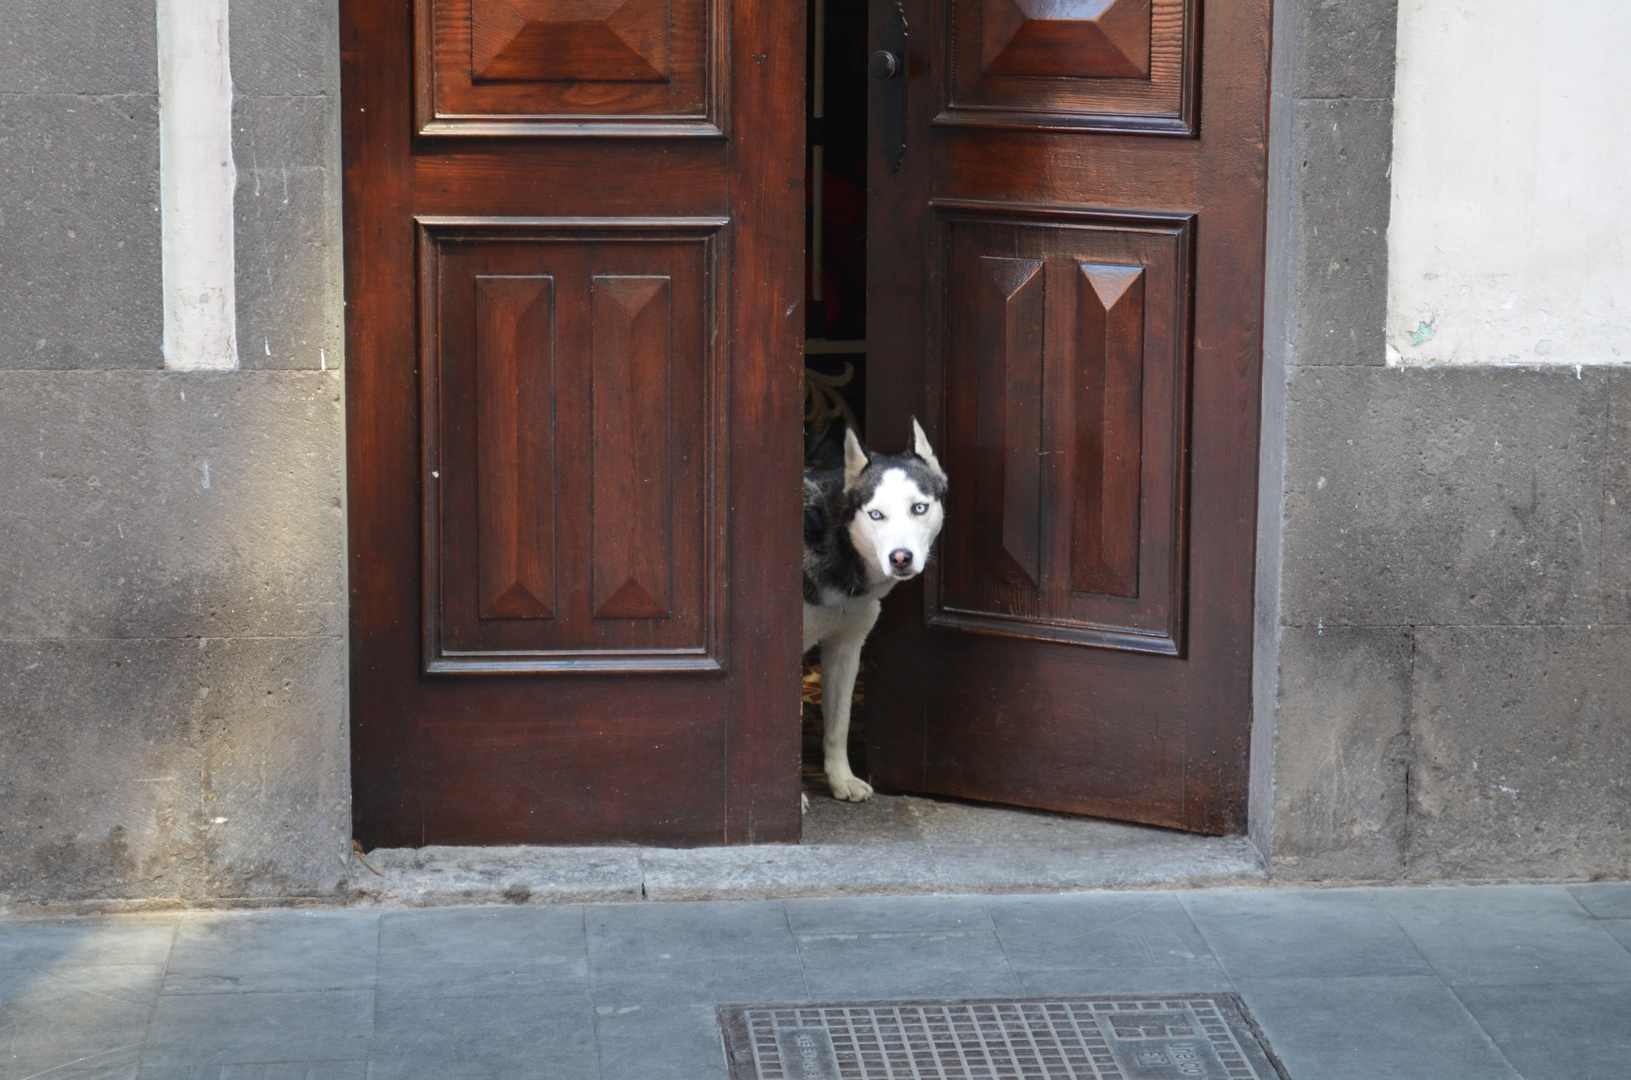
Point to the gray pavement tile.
(85, 941)
(1620, 929)
(483, 1037)
(632, 936)
(672, 1041)
(668, 979)
(945, 963)
(280, 1070)
(1406, 1027)
(852, 915)
(124, 1067)
(1558, 1032)
(273, 950)
(90, 1035)
(1480, 935)
(1316, 932)
(1104, 943)
(1199, 978)
(298, 1026)
(1605, 899)
(455, 951)
(26, 988)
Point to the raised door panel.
(1114, 65)
(569, 67)
(571, 396)
(1064, 349)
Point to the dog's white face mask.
(901, 514)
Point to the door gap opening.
(834, 289)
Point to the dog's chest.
(823, 620)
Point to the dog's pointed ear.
(855, 458)
(920, 447)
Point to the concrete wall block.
(1523, 753)
(1343, 751)
(171, 504)
(1616, 573)
(84, 47)
(1337, 238)
(276, 771)
(79, 232)
(290, 272)
(119, 761)
(1349, 48)
(1443, 496)
(291, 47)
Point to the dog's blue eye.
(875, 515)
(920, 508)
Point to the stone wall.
(1444, 565)
(172, 623)
(1443, 648)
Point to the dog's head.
(897, 500)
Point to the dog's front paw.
(804, 803)
(849, 788)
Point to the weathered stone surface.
(1337, 239)
(1616, 573)
(84, 47)
(1349, 48)
(291, 47)
(289, 272)
(276, 771)
(79, 229)
(1523, 764)
(440, 876)
(1343, 753)
(170, 504)
(1443, 496)
(153, 768)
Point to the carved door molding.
(1081, 201)
(571, 240)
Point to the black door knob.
(883, 65)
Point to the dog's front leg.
(840, 662)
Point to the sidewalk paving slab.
(1380, 984)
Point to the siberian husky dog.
(867, 527)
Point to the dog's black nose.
(900, 559)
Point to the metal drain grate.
(1181, 1037)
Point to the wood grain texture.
(1008, 384)
(1008, 694)
(515, 445)
(1109, 384)
(631, 400)
(1090, 39)
(569, 40)
(640, 540)
(494, 726)
(1070, 65)
(617, 68)
(1064, 372)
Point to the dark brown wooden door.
(1066, 280)
(573, 269)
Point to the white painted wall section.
(1510, 239)
(197, 180)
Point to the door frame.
(1290, 34)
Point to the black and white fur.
(867, 527)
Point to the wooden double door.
(575, 288)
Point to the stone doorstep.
(448, 876)
(888, 847)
